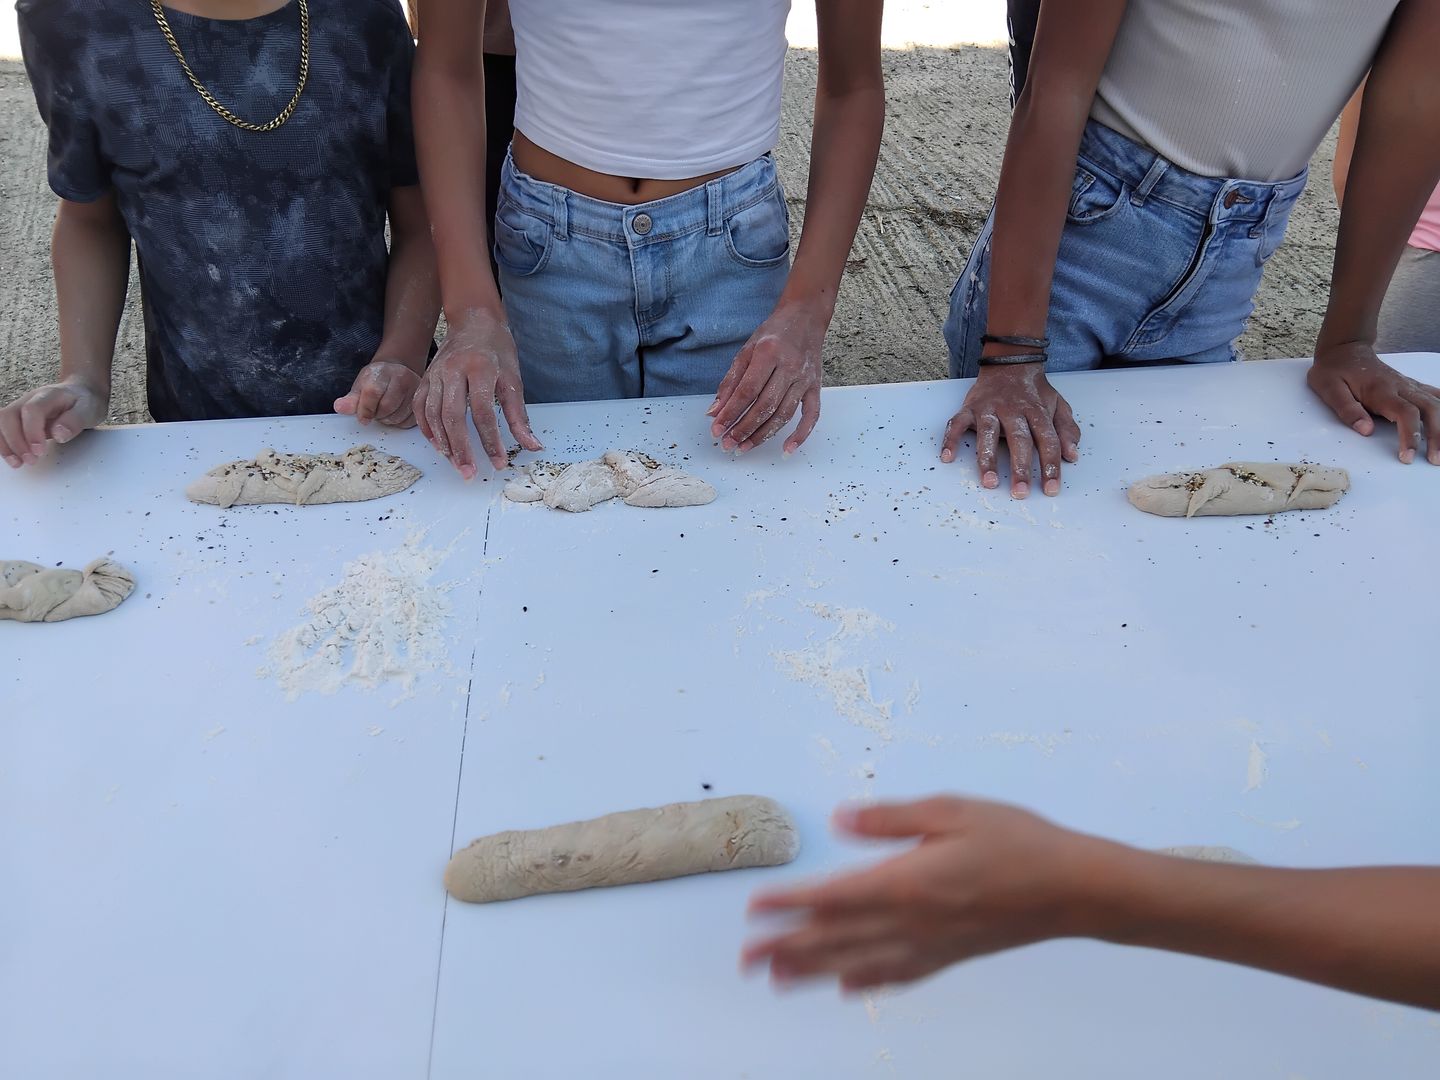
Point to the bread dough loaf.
(360, 474)
(621, 849)
(632, 475)
(1241, 487)
(31, 593)
(581, 486)
(670, 488)
(1208, 853)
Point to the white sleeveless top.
(1237, 88)
(658, 89)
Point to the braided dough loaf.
(31, 593)
(631, 475)
(1241, 487)
(358, 475)
(625, 848)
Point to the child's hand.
(383, 391)
(476, 368)
(59, 411)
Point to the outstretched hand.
(984, 877)
(1016, 403)
(1355, 383)
(778, 372)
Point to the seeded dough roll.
(1240, 487)
(671, 841)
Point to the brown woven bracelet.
(1013, 359)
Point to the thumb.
(1336, 393)
(902, 819)
(347, 404)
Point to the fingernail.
(469, 472)
(991, 480)
(947, 456)
(1052, 487)
(846, 817)
(13, 462)
(1407, 455)
(1021, 490)
(713, 409)
(63, 433)
(727, 444)
(29, 459)
(1359, 426)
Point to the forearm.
(412, 296)
(1034, 191)
(1394, 169)
(1371, 930)
(91, 256)
(450, 140)
(843, 150)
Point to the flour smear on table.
(383, 623)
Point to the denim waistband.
(705, 207)
(1150, 176)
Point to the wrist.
(1102, 885)
(817, 304)
(410, 357)
(91, 382)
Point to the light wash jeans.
(614, 301)
(1156, 264)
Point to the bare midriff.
(630, 190)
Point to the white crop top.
(657, 89)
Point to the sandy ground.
(946, 126)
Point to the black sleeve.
(1022, 16)
(404, 171)
(53, 48)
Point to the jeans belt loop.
(714, 207)
(1158, 168)
(560, 211)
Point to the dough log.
(625, 848)
(1241, 487)
(358, 475)
(631, 475)
(31, 593)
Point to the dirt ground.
(947, 116)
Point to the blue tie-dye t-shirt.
(262, 256)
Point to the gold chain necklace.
(209, 98)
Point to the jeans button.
(642, 224)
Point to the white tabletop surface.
(202, 878)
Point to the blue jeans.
(1156, 264)
(652, 300)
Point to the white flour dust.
(824, 666)
(384, 622)
(1255, 769)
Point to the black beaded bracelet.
(1018, 342)
(1013, 359)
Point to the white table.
(201, 878)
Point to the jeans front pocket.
(522, 240)
(1271, 229)
(1094, 196)
(759, 235)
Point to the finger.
(371, 391)
(395, 399)
(1336, 393)
(809, 417)
(987, 449)
(1429, 406)
(487, 426)
(900, 820)
(512, 404)
(1017, 438)
(1406, 417)
(889, 946)
(1068, 430)
(68, 423)
(345, 406)
(453, 406)
(1047, 449)
(727, 386)
(746, 392)
(893, 973)
(435, 415)
(847, 892)
(37, 414)
(778, 419)
(955, 430)
(403, 416)
(418, 408)
(764, 406)
(12, 437)
(819, 936)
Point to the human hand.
(1016, 403)
(475, 367)
(778, 371)
(1355, 382)
(984, 877)
(59, 411)
(384, 390)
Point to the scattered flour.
(854, 622)
(824, 667)
(1011, 739)
(1255, 768)
(383, 622)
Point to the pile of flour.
(383, 622)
